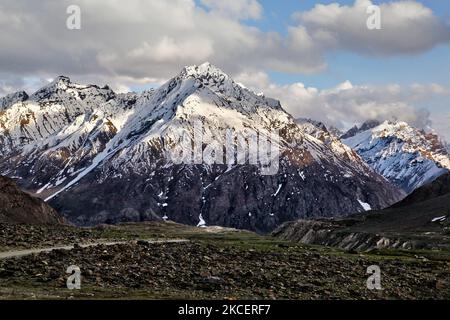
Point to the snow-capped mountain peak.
(407, 156)
(61, 81)
(62, 89)
(213, 78)
(204, 70)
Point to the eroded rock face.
(17, 206)
(334, 233)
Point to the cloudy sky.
(318, 57)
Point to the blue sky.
(278, 13)
(432, 66)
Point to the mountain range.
(102, 157)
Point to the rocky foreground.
(214, 263)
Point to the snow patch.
(365, 205)
(302, 175)
(202, 222)
(278, 191)
(439, 219)
(43, 188)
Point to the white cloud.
(141, 38)
(168, 49)
(347, 104)
(407, 27)
(441, 122)
(5, 89)
(156, 38)
(9, 84)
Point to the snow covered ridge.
(406, 156)
(99, 156)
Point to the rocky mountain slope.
(19, 207)
(406, 156)
(421, 220)
(98, 156)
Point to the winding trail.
(26, 252)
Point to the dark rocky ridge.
(438, 188)
(422, 220)
(365, 126)
(17, 206)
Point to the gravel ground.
(210, 269)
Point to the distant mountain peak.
(206, 75)
(407, 156)
(61, 79)
(369, 124)
(13, 98)
(59, 83)
(203, 69)
(62, 89)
